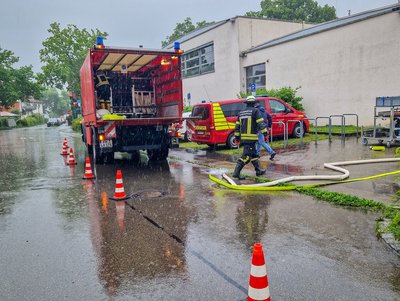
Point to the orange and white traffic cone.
(65, 142)
(64, 151)
(71, 158)
(88, 170)
(258, 284)
(119, 188)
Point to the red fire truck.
(130, 98)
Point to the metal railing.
(356, 115)
(301, 130)
(301, 123)
(284, 130)
(329, 128)
(315, 129)
(342, 131)
(342, 125)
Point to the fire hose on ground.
(271, 186)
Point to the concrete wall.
(232, 37)
(340, 70)
(224, 81)
(253, 32)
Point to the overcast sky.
(129, 23)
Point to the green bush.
(34, 119)
(15, 111)
(76, 124)
(22, 123)
(3, 123)
(287, 94)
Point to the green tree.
(16, 83)
(55, 101)
(183, 28)
(63, 54)
(295, 10)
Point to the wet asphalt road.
(180, 237)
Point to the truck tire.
(158, 154)
(135, 157)
(89, 147)
(83, 132)
(97, 157)
(109, 158)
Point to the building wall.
(253, 32)
(236, 35)
(339, 71)
(224, 81)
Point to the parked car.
(186, 134)
(215, 121)
(53, 122)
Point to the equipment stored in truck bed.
(130, 97)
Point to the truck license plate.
(106, 143)
(200, 132)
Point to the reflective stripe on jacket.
(101, 80)
(249, 122)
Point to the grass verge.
(335, 129)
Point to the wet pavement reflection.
(179, 236)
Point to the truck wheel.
(157, 154)
(231, 141)
(109, 158)
(135, 157)
(97, 157)
(83, 132)
(298, 131)
(89, 147)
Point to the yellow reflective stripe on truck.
(220, 121)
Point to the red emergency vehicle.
(143, 99)
(214, 122)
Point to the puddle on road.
(120, 250)
(309, 159)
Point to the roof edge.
(326, 26)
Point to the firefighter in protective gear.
(103, 90)
(249, 122)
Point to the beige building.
(341, 65)
(212, 68)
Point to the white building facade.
(212, 66)
(341, 65)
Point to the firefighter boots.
(259, 171)
(238, 168)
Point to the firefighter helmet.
(250, 99)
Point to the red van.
(214, 122)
